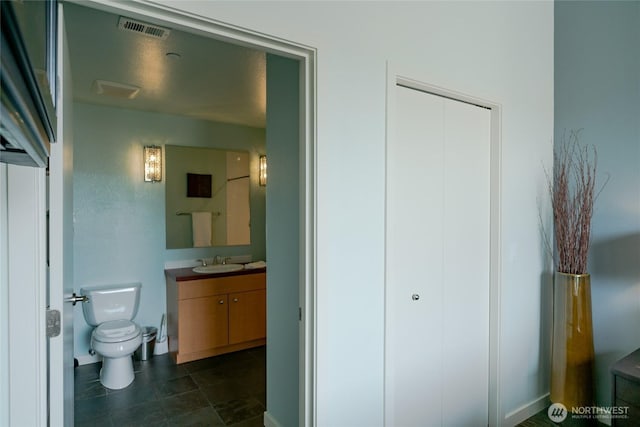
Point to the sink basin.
(218, 268)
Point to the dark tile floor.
(226, 390)
(538, 420)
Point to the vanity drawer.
(628, 391)
(222, 285)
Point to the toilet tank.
(111, 302)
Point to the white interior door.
(437, 262)
(61, 393)
(23, 295)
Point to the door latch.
(53, 323)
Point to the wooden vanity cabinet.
(216, 315)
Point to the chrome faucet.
(221, 259)
(203, 261)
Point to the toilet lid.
(116, 331)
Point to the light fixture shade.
(262, 173)
(152, 163)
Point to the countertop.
(185, 274)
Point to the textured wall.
(119, 220)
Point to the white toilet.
(111, 308)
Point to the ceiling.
(200, 78)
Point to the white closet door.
(437, 264)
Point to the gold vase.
(573, 354)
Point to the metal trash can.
(145, 351)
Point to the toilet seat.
(115, 331)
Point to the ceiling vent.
(115, 90)
(139, 27)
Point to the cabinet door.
(203, 323)
(247, 316)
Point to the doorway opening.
(300, 277)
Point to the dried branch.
(572, 191)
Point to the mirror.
(206, 197)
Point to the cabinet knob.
(221, 301)
(235, 300)
(415, 297)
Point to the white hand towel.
(257, 264)
(201, 227)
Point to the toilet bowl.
(116, 341)
(116, 337)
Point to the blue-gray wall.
(283, 231)
(597, 88)
(119, 220)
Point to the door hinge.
(53, 323)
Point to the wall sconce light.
(152, 163)
(262, 171)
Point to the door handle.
(73, 299)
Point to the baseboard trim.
(517, 416)
(88, 359)
(269, 421)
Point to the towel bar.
(189, 213)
